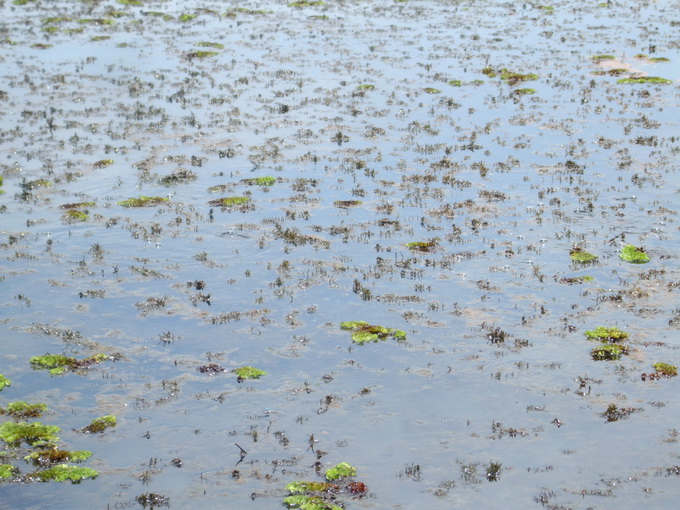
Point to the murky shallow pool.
(496, 134)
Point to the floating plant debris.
(7, 471)
(153, 500)
(633, 254)
(102, 163)
(581, 256)
(211, 369)
(58, 363)
(423, 246)
(4, 382)
(51, 456)
(34, 433)
(260, 181)
(604, 334)
(616, 413)
(22, 410)
(432, 90)
(143, 201)
(363, 332)
(666, 369)
(100, 424)
(248, 372)
(229, 201)
(64, 473)
(306, 502)
(346, 204)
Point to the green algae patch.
(201, 54)
(58, 364)
(186, 17)
(602, 58)
(20, 410)
(633, 254)
(581, 256)
(342, 470)
(99, 425)
(455, 83)
(513, 77)
(136, 3)
(248, 372)
(305, 502)
(432, 90)
(523, 92)
(208, 44)
(74, 215)
(655, 80)
(602, 334)
(34, 433)
(608, 352)
(4, 382)
(64, 473)
(665, 369)
(306, 3)
(423, 246)
(102, 163)
(143, 201)
(659, 60)
(346, 204)
(366, 86)
(363, 332)
(260, 181)
(303, 487)
(229, 201)
(7, 471)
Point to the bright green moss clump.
(32, 433)
(4, 382)
(260, 181)
(23, 410)
(608, 352)
(100, 424)
(423, 246)
(363, 332)
(581, 256)
(305, 502)
(603, 334)
(630, 253)
(432, 90)
(64, 472)
(102, 163)
(52, 456)
(249, 372)
(666, 369)
(302, 487)
(7, 471)
(342, 470)
(58, 364)
(143, 201)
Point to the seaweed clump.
(20, 410)
(423, 246)
(34, 433)
(363, 332)
(633, 254)
(143, 201)
(64, 472)
(324, 495)
(666, 370)
(248, 373)
(229, 201)
(603, 334)
(581, 256)
(608, 352)
(4, 382)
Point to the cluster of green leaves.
(58, 363)
(322, 495)
(665, 369)
(581, 256)
(249, 372)
(21, 410)
(633, 254)
(143, 201)
(100, 424)
(229, 201)
(604, 334)
(610, 339)
(4, 382)
(363, 332)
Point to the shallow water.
(506, 184)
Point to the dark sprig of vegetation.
(153, 500)
(99, 425)
(616, 413)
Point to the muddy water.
(382, 123)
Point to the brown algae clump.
(143, 201)
(363, 332)
(581, 256)
(633, 254)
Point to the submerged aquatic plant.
(604, 334)
(7, 471)
(306, 502)
(261, 181)
(581, 256)
(249, 372)
(4, 382)
(34, 433)
(64, 472)
(633, 254)
(423, 246)
(608, 352)
(665, 369)
(51, 456)
(493, 471)
(363, 332)
(229, 201)
(143, 201)
(100, 424)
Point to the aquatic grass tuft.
(423, 246)
(633, 254)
